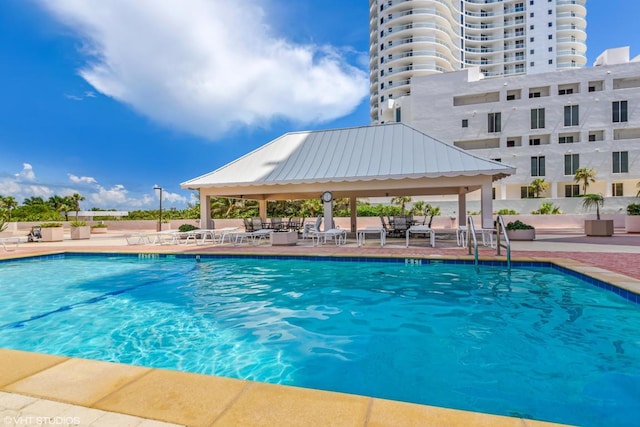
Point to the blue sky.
(111, 97)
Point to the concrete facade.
(545, 125)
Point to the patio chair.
(295, 224)
(35, 235)
(277, 224)
(400, 226)
(311, 228)
(248, 225)
(257, 223)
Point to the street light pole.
(160, 217)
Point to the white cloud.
(118, 197)
(27, 173)
(205, 66)
(24, 184)
(81, 179)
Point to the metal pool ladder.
(502, 229)
(473, 241)
(471, 238)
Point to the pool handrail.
(471, 231)
(502, 229)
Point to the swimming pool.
(533, 343)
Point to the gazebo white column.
(205, 210)
(486, 204)
(328, 215)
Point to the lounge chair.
(255, 237)
(421, 229)
(277, 224)
(336, 234)
(4, 241)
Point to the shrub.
(519, 225)
(548, 208)
(633, 209)
(78, 223)
(99, 226)
(51, 224)
(507, 212)
(187, 227)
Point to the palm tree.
(596, 200)
(539, 186)
(60, 204)
(638, 186)
(73, 201)
(431, 211)
(585, 176)
(8, 203)
(402, 201)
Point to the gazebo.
(369, 161)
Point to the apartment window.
(531, 64)
(511, 143)
(571, 163)
(571, 190)
(550, 24)
(465, 123)
(537, 118)
(531, 39)
(497, 160)
(534, 141)
(550, 37)
(494, 122)
(531, 27)
(531, 15)
(549, 12)
(619, 111)
(534, 94)
(571, 115)
(511, 97)
(617, 189)
(565, 140)
(592, 138)
(527, 193)
(531, 2)
(532, 51)
(620, 161)
(565, 91)
(537, 166)
(550, 49)
(398, 115)
(551, 61)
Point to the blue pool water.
(533, 343)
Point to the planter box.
(522, 234)
(598, 227)
(99, 230)
(289, 238)
(52, 234)
(78, 233)
(632, 223)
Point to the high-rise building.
(502, 37)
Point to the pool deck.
(79, 392)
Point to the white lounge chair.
(4, 241)
(337, 234)
(254, 237)
(421, 229)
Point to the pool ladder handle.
(472, 242)
(501, 229)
